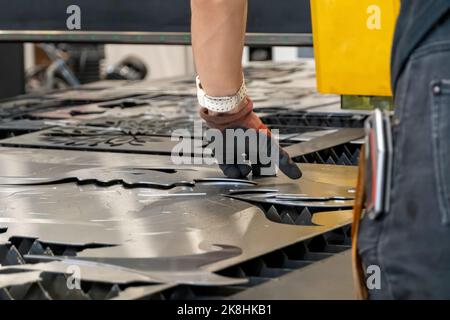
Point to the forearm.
(218, 33)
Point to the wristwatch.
(220, 104)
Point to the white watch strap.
(220, 104)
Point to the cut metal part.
(298, 202)
(11, 128)
(124, 217)
(156, 106)
(18, 278)
(95, 215)
(141, 292)
(132, 219)
(18, 171)
(153, 125)
(172, 270)
(89, 138)
(261, 269)
(284, 120)
(20, 108)
(84, 95)
(93, 111)
(337, 138)
(110, 213)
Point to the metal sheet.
(342, 136)
(173, 270)
(84, 95)
(20, 107)
(145, 177)
(106, 215)
(164, 106)
(20, 278)
(148, 125)
(140, 213)
(140, 292)
(123, 209)
(86, 138)
(331, 120)
(15, 127)
(336, 218)
(292, 201)
(145, 223)
(330, 279)
(91, 111)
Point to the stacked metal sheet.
(127, 223)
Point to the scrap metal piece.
(146, 177)
(340, 137)
(19, 278)
(185, 263)
(141, 292)
(319, 202)
(173, 270)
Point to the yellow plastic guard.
(352, 45)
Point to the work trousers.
(409, 246)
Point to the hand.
(247, 145)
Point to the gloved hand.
(233, 162)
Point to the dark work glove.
(247, 145)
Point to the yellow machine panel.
(352, 45)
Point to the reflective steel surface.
(134, 223)
(162, 212)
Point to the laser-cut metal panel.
(273, 87)
(330, 279)
(18, 161)
(83, 95)
(327, 141)
(179, 270)
(154, 125)
(142, 204)
(19, 278)
(122, 207)
(263, 244)
(88, 214)
(11, 128)
(20, 107)
(158, 234)
(283, 119)
(89, 138)
(137, 140)
(165, 106)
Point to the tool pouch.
(378, 154)
(374, 184)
